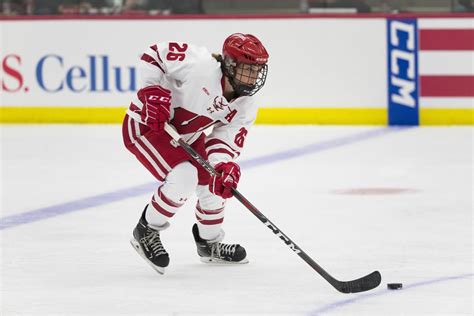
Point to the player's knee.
(207, 200)
(182, 179)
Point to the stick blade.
(366, 283)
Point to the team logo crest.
(219, 103)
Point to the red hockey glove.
(156, 106)
(227, 178)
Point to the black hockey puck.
(394, 286)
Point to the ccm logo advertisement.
(403, 90)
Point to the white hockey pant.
(179, 185)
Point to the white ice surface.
(81, 263)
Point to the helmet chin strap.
(240, 89)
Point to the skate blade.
(220, 261)
(139, 250)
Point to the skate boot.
(213, 251)
(146, 241)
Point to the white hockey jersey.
(197, 102)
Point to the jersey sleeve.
(161, 63)
(226, 141)
(171, 59)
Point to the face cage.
(243, 89)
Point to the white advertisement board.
(323, 63)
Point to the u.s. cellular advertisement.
(42, 66)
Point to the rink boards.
(377, 70)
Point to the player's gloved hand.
(156, 106)
(228, 176)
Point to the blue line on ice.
(105, 198)
(341, 303)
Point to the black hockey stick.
(365, 283)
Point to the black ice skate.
(146, 241)
(213, 251)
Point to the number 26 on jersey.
(176, 51)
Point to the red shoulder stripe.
(150, 60)
(155, 48)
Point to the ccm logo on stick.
(403, 72)
(282, 237)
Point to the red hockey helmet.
(245, 49)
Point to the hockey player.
(192, 90)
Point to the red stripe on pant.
(152, 155)
(210, 221)
(144, 161)
(130, 145)
(209, 212)
(170, 154)
(160, 209)
(125, 136)
(166, 200)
